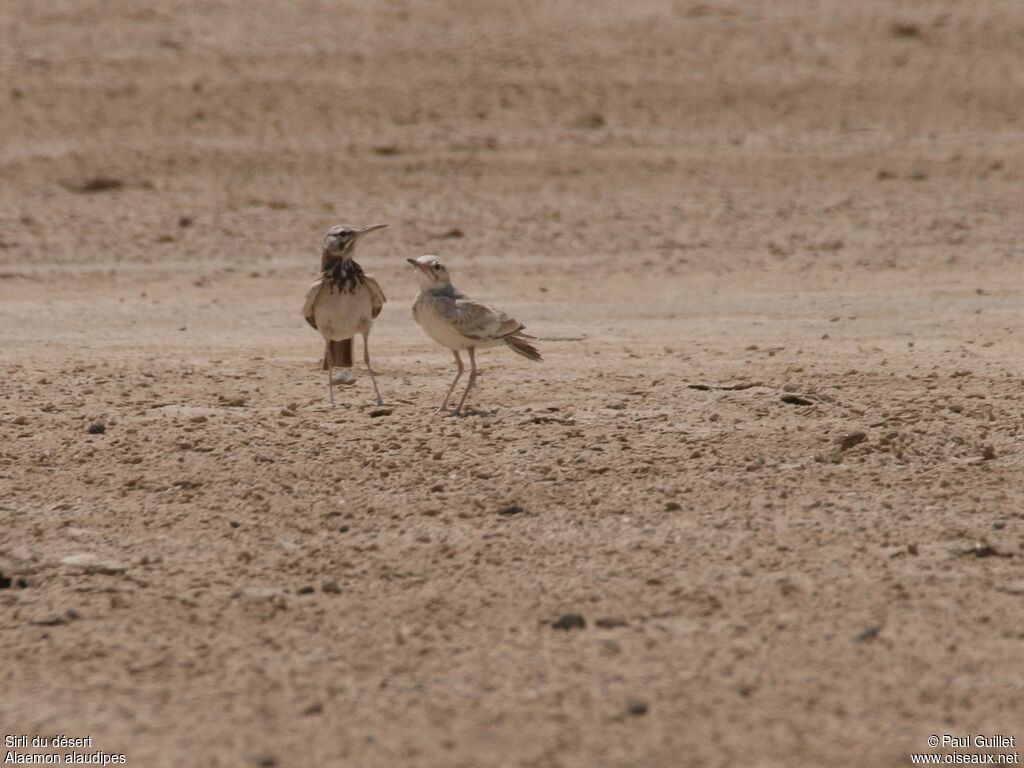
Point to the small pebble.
(637, 708)
(796, 400)
(569, 621)
(89, 563)
(1013, 588)
(848, 440)
(868, 633)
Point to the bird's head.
(430, 271)
(340, 241)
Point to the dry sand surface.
(811, 210)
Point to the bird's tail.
(518, 343)
(338, 354)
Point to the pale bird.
(343, 301)
(455, 321)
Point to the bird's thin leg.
(330, 375)
(458, 362)
(470, 383)
(366, 359)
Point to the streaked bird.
(455, 321)
(343, 301)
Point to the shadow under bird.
(456, 321)
(343, 301)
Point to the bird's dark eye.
(437, 266)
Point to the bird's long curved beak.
(370, 228)
(416, 264)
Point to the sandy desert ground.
(772, 458)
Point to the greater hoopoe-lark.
(343, 301)
(455, 321)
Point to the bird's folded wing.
(478, 321)
(311, 294)
(377, 297)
